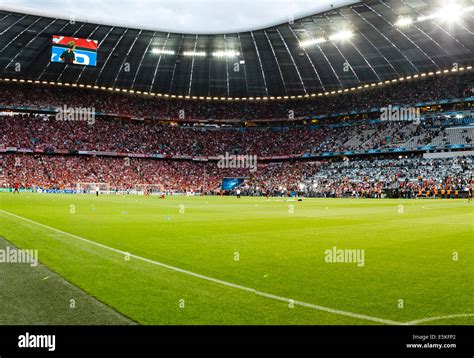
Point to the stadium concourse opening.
(317, 172)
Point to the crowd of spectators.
(458, 85)
(406, 177)
(42, 133)
(126, 136)
(67, 172)
(30, 131)
(359, 178)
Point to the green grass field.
(219, 260)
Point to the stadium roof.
(179, 16)
(351, 46)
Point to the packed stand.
(358, 178)
(406, 92)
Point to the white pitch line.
(429, 319)
(221, 282)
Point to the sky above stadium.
(182, 16)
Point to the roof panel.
(271, 61)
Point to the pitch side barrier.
(386, 193)
(40, 190)
(427, 194)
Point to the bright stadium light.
(338, 36)
(194, 53)
(341, 35)
(311, 42)
(228, 53)
(450, 12)
(404, 21)
(157, 51)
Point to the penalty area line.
(215, 280)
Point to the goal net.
(85, 187)
(148, 189)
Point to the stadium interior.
(365, 108)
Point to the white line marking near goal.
(221, 282)
(429, 319)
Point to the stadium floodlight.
(341, 35)
(158, 51)
(194, 53)
(226, 53)
(404, 21)
(311, 42)
(450, 12)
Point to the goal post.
(90, 187)
(106, 188)
(148, 189)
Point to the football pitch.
(220, 260)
